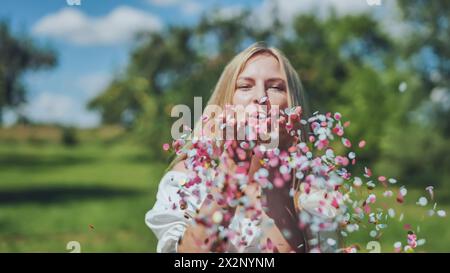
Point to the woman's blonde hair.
(225, 87)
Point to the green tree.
(18, 54)
(347, 64)
(416, 146)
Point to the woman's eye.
(277, 88)
(244, 87)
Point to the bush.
(69, 137)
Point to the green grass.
(50, 195)
(435, 230)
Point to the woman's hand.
(288, 128)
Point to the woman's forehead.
(262, 65)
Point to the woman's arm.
(275, 217)
(270, 226)
(196, 237)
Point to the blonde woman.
(258, 75)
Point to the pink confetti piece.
(166, 146)
(400, 198)
(279, 182)
(346, 142)
(362, 143)
(337, 116)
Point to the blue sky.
(93, 41)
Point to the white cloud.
(119, 26)
(229, 12)
(388, 12)
(191, 8)
(165, 3)
(188, 7)
(392, 22)
(288, 9)
(93, 84)
(9, 117)
(67, 108)
(53, 107)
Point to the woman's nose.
(260, 96)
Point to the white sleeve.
(166, 219)
(247, 233)
(316, 204)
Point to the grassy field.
(435, 230)
(97, 194)
(94, 194)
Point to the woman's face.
(261, 77)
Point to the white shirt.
(169, 222)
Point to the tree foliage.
(348, 64)
(18, 54)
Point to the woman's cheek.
(241, 98)
(279, 99)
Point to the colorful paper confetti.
(327, 195)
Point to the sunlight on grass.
(109, 189)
